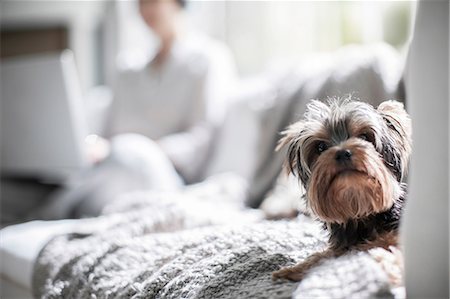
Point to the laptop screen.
(43, 122)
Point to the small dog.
(351, 159)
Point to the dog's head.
(350, 157)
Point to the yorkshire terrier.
(351, 160)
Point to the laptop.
(43, 122)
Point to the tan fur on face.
(373, 185)
(338, 193)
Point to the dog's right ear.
(298, 139)
(289, 135)
(291, 138)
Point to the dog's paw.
(290, 273)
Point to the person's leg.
(145, 159)
(135, 163)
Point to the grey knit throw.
(152, 246)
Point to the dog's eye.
(367, 137)
(364, 137)
(321, 147)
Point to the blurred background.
(261, 35)
(265, 41)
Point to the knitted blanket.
(181, 246)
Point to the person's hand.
(97, 148)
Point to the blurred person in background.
(162, 120)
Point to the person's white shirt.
(177, 103)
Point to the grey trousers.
(135, 163)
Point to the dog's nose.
(343, 155)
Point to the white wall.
(425, 229)
(268, 34)
(80, 17)
(261, 34)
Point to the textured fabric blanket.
(189, 245)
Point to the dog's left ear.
(396, 117)
(400, 128)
